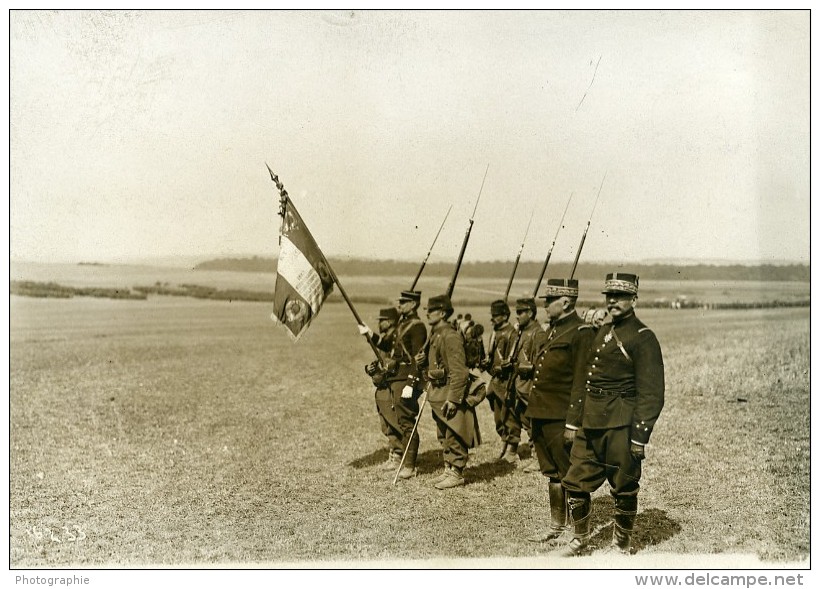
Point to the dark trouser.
(389, 420)
(454, 447)
(406, 412)
(507, 424)
(603, 455)
(548, 440)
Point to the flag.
(303, 279)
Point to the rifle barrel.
(549, 253)
(518, 258)
(584, 236)
(424, 263)
(451, 287)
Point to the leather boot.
(579, 508)
(392, 462)
(442, 475)
(626, 509)
(453, 478)
(408, 470)
(558, 515)
(511, 454)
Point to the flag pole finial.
(283, 194)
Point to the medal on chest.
(608, 337)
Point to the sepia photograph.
(295, 291)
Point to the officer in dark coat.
(499, 366)
(456, 423)
(405, 379)
(612, 413)
(560, 363)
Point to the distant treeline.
(54, 290)
(502, 269)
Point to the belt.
(599, 391)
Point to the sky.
(145, 134)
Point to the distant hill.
(589, 271)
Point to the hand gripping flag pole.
(304, 277)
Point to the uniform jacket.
(620, 391)
(447, 352)
(533, 340)
(411, 335)
(401, 347)
(560, 362)
(501, 343)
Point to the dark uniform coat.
(624, 384)
(533, 340)
(411, 335)
(559, 363)
(500, 350)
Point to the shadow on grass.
(487, 471)
(376, 457)
(652, 526)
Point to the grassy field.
(172, 432)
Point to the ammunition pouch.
(504, 371)
(524, 370)
(437, 377)
(378, 374)
(476, 391)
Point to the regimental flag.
(303, 279)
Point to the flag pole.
(284, 199)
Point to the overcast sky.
(146, 133)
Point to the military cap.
(390, 313)
(410, 295)
(499, 307)
(560, 287)
(621, 282)
(525, 303)
(439, 303)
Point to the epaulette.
(644, 329)
(584, 326)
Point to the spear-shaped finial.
(283, 194)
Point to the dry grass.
(178, 431)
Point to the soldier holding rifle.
(531, 339)
(611, 415)
(403, 377)
(498, 365)
(447, 373)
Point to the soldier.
(531, 340)
(404, 377)
(456, 423)
(611, 415)
(499, 366)
(558, 365)
(384, 341)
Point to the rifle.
(424, 263)
(451, 287)
(584, 236)
(517, 258)
(549, 253)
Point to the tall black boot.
(558, 514)
(579, 508)
(626, 509)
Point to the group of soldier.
(587, 391)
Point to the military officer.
(611, 415)
(405, 379)
(456, 423)
(499, 366)
(557, 366)
(531, 340)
